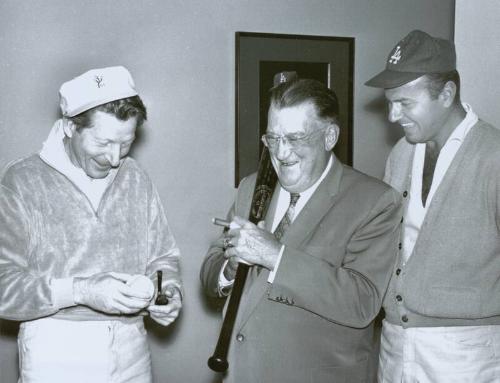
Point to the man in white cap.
(442, 308)
(83, 236)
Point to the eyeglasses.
(293, 140)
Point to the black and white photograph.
(249, 191)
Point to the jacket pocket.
(451, 302)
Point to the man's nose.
(394, 112)
(283, 149)
(113, 155)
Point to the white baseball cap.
(94, 88)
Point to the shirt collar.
(463, 128)
(306, 194)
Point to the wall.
(181, 54)
(477, 38)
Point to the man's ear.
(69, 128)
(331, 136)
(447, 95)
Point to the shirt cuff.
(62, 292)
(224, 284)
(272, 273)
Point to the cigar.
(221, 222)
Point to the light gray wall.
(477, 39)
(181, 54)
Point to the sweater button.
(240, 338)
(405, 194)
(398, 271)
(399, 298)
(400, 245)
(404, 318)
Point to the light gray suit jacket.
(315, 322)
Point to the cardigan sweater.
(49, 230)
(452, 277)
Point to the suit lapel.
(316, 208)
(303, 225)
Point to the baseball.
(142, 283)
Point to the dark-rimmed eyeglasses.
(295, 141)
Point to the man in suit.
(442, 309)
(306, 314)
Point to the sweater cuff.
(62, 292)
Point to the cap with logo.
(94, 88)
(284, 77)
(415, 55)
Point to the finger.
(245, 262)
(244, 223)
(117, 307)
(232, 233)
(123, 277)
(234, 225)
(233, 255)
(230, 252)
(131, 292)
(131, 303)
(164, 311)
(164, 321)
(174, 302)
(226, 242)
(172, 291)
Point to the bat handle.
(218, 361)
(161, 299)
(159, 275)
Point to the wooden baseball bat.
(263, 191)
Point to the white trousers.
(63, 351)
(465, 354)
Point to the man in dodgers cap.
(442, 309)
(83, 236)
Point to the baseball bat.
(263, 191)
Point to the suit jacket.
(451, 278)
(314, 323)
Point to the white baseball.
(143, 284)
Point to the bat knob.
(217, 364)
(161, 300)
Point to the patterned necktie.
(287, 218)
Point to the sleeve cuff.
(62, 292)
(224, 285)
(272, 273)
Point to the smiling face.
(300, 167)
(421, 116)
(98, 148)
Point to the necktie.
(287, 218)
